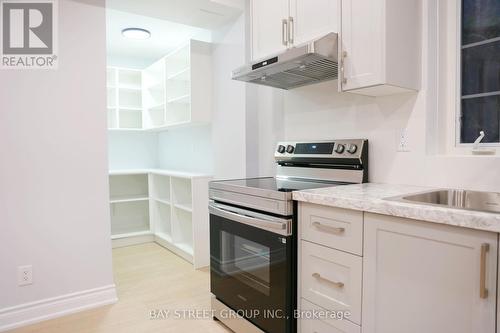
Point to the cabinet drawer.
(331, 279)
(323, 325)
(337, 228)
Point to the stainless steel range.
(253, 227)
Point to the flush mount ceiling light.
(136, 33)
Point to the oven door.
(252, 264)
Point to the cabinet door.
(267, 27)
(423, 277)
(362, 42)
(313, 19)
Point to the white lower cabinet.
(423, 277)
(341, 229)
(324, 325)
(332, 279)
(413, 277)
(330, 268)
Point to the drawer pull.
(318, 276)
(483, 291)
(333, 230)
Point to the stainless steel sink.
(460, 199)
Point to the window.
(480, 71)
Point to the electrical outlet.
(24, 275)
(402, 140)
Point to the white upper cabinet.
(380, 46)
(310, 19)
(269, 27)
(423, 277)
(281, 24)
(362, 31)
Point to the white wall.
(53, 175)
(229, 109)
(187, 149)
(132, 150)
(265, 127)
(320, 112)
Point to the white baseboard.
(30, 313)
(133, 240)
(174, 249)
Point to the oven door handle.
(273, 224)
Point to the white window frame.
(458, 102)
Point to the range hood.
(311, 63)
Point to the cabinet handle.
(333, 230)
(483, 291)
(336, 284)
(284, 32)
(291, 35)
(342, 68)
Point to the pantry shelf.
(169, 206)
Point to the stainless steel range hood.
(311, 63)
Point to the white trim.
(49, 308)
(458, 98)
(483, 42)
(131, 240)
(172, 247)
(449, 83)
(458, 65)
(486, 94)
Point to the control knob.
(352, 149)
(290, 149)
(339, 149)
(281, 149)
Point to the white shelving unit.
(124, 89)
(176, 89)
(154, 95)
(168, 207)
(129, 206)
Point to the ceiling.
(171, 23)
(165, 37)
(207, 14)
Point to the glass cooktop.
(270, 184)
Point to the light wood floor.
(147, 277)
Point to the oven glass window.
(246, 261)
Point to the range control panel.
(321, 149)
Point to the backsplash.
(132, 150)
(186, 149)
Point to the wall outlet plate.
(402, 140)
(24, 275)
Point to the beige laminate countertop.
(371, 197)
